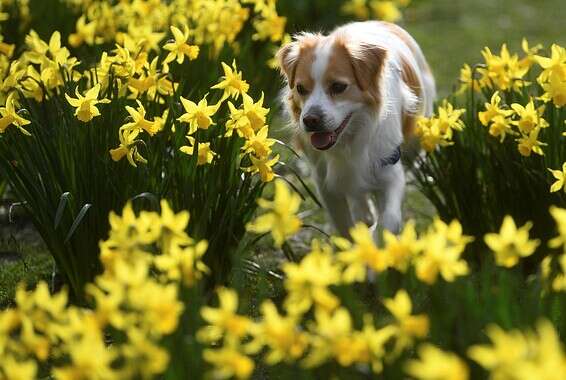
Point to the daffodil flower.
(198, 115)
(232, 83)
(11, 117)
(559, 175)
(86, 105)
(511, 243)
(179, 47)
(280, 219)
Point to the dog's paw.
(392, 222)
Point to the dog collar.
(392, 159)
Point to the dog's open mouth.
(326, 140)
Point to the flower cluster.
(378, 9)
(136, 295)
(439, 130)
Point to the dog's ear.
(288, 57)
(367, 62)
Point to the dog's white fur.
(349, 173)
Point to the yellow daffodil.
(229, 362)
(232, 83)
(85, 32)
(356, 8)
(248, 119)
(128, 147)
(204, 152)
(400, 250)
(559, 216)
(443, 246)
(198, 115)
(559, 175)
(553, 66)
(179, 48)
(360, 256)
(259, 144)
(503, 72)
(139, 121)
(511, 243)
(270, 26)
(408, 326)
(11, 117)
(493, 109)
(224, 320)
(468, 80)
(558, 282)
(529, 143)
(385, 10)
(435, 364)
(281, 335)
(263, 166)
(515, 354)
(555, 91)
(529, 117)
(86, 105)
(307, 283)
(439, 130)
(281, 219)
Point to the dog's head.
(330, 80)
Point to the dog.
(355, 96)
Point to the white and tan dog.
(355, 95)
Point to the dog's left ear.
(288, 57)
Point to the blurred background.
(450, 32)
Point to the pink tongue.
(322, 140)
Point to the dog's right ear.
(288, 57)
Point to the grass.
(26, 263)
(453, 32)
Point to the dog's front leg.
(390, 200)
(339, 211)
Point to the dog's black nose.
(313, 121)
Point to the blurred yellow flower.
(516, 355)
(401, 250)
(529, 117)
(229, 362)
(11, 117)
(443, 246)
(281, 335)
(408, 326)
(356, 8)
(85, 32)
(385, 10)
(553, 66)
(179, 48)
(223, 321)
(511, 243)
(435, 364)
(559, 175)
(360, 255)
(270, 26)
(493, 109)
(307, 283)
(281, 219)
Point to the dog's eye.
(338, 88)
(301, 89)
